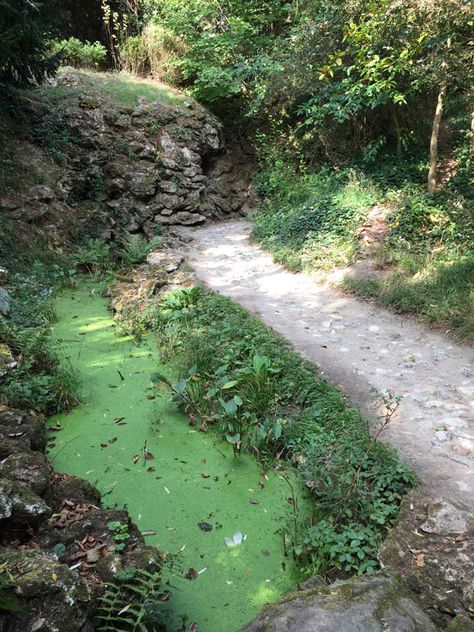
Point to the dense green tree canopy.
(25, 29)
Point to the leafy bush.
(94, 255)
(134, 55)
(136, 249)
(156, 50)
(38, 381)
(164, 50)
(80, 54)
(130, 602)
(25, 29)
(311, 221)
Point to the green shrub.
(38, 381)
(79, 54)
(94, 255)
(134, 55)
(136, 249)
(164, 50)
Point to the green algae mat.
(221, 514)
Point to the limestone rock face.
(129, 169)
(432, 549)
(377, 603)
(20, 505)
(30, 468)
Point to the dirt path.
(362, 348)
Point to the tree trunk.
(396, 127)
(472, 132)
(434, 138)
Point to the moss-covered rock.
(52, 598)
(20, 505)
(461, 624)
(432, 549)
(377, 603)
(78, 490)
(27, 426)
(30, 468)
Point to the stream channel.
(193, 478)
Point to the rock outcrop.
(377, 603)
(120, 168)
(59, 547)
(432, 550)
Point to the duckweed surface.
(193, 493)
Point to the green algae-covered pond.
(192, 478)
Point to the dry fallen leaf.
(93, 555)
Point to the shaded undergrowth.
(313, 221)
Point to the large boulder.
(30, 468)
(20, 431)
(432, 549)
(377, 603)
(20, 506)
(47, 595)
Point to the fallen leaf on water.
(148, 456)
(235, 540)
(167, 490)
(254, 501)
(124, 610)
(203, 461)
(194, 627)
(149, 532)
(205, 475)
(151, 469)
(135, 458)
(118, 420)
(113, 440)
(291, 501)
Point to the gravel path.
(362, 348)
